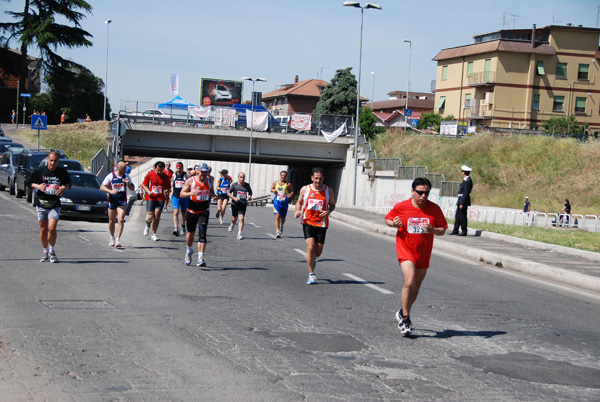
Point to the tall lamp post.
(107, 22)
(252, 123)
(373, 91)
(407, 81)
(357, 126)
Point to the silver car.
(7, 171)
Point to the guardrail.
(590, 223)
(260, 201)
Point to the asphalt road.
(137, 324)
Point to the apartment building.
(299, 97)
(521, 78)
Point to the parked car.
(14, 146)
(2, 133)
(8, 162)
(28, 161)
(69, 164)
(84, 199)
(5, 139)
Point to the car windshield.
(84, 180)
(70, 165)
(34, 161)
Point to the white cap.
(465, 168)
(526, 197)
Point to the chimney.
(296, 79)
(533, 37)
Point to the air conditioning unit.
(489, 97)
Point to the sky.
(279, 39)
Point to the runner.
(169, 172)
(114, 184)
(156, 185)
(50, 182)
(283, 193)
(417, 220)
(222, 189)
(240, 192)
(315, 203)
(200, 191)
(179, 203)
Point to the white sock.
(189, 249)
(50, 249)
(46, 250)
(200, 255)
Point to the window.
(467, 100)
(441, 103)
(488, 69)
(561, 70)
(536, 102)
(444, 73)
(558, 104)
(580, 105)
(584, 69)
(539, 67)
(470, 69)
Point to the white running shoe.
(53, 257)
(230, 228)
(154, 237)
(239, 236)
(175, 232)
(181, 231)
(221, 221)
(188, 257)
(278, 234)
(312, 279)
(45, 258)
(201, 262)
(111, 242)
(117, 242)
(146, 231)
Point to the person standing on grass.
(417, 220)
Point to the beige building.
(506, 79)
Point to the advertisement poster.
(216, 92)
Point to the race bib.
(315, 205)
(156, 189)
(203, 195)
(119, 186)
(415, 225)
(281, 197)
(179, 183)
(243, 195)
(51, 189)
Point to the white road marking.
(271, 235)
(253, 224)
(301, 252)
(369, 284)
(81, 237)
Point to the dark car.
(8, 162)
(69, 164)
(84, 199)
(28, 161)
(14, 146)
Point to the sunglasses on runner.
(422, 192)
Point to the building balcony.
(481, 111)
(482, 79)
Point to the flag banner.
(174, 84)
(258, 121)
(330, 137)
(301, 122)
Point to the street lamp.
(407, 80)
(107, 22)
(373, 91)
(357, 126)
(252, 123)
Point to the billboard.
(216, 92)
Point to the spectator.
(63, 117)
(12, 117)
(87, 118)
(526, 210)
(565, 213)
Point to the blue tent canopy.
(176, 103)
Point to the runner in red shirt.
(417, 220)
(157, 187)
(169, 172)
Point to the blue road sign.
(414, 122)
(39, 122)
(408, 112)
(24, 95)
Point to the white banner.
(301, 122)
(229, 118)
(219, 117)
(330, 137)
(174, 84)
(199, 111)
(260, 121)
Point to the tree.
(430, 120)
(560, 125)
(77, 92)
(37, 26)
(339, 96)
(367, 123)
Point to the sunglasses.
(422, 192)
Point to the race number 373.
(415, 225)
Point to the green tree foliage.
(560, 125)
(339, 96)
(429, 120)
(37, 26)
(367, 123)
(77, 92)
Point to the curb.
(501, 261)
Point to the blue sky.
(278, 39)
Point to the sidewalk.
(556, 263)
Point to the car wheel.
(11, 188)
(18, 192)
(28, 194)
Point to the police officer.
(463, 202)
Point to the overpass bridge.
(294, 150)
